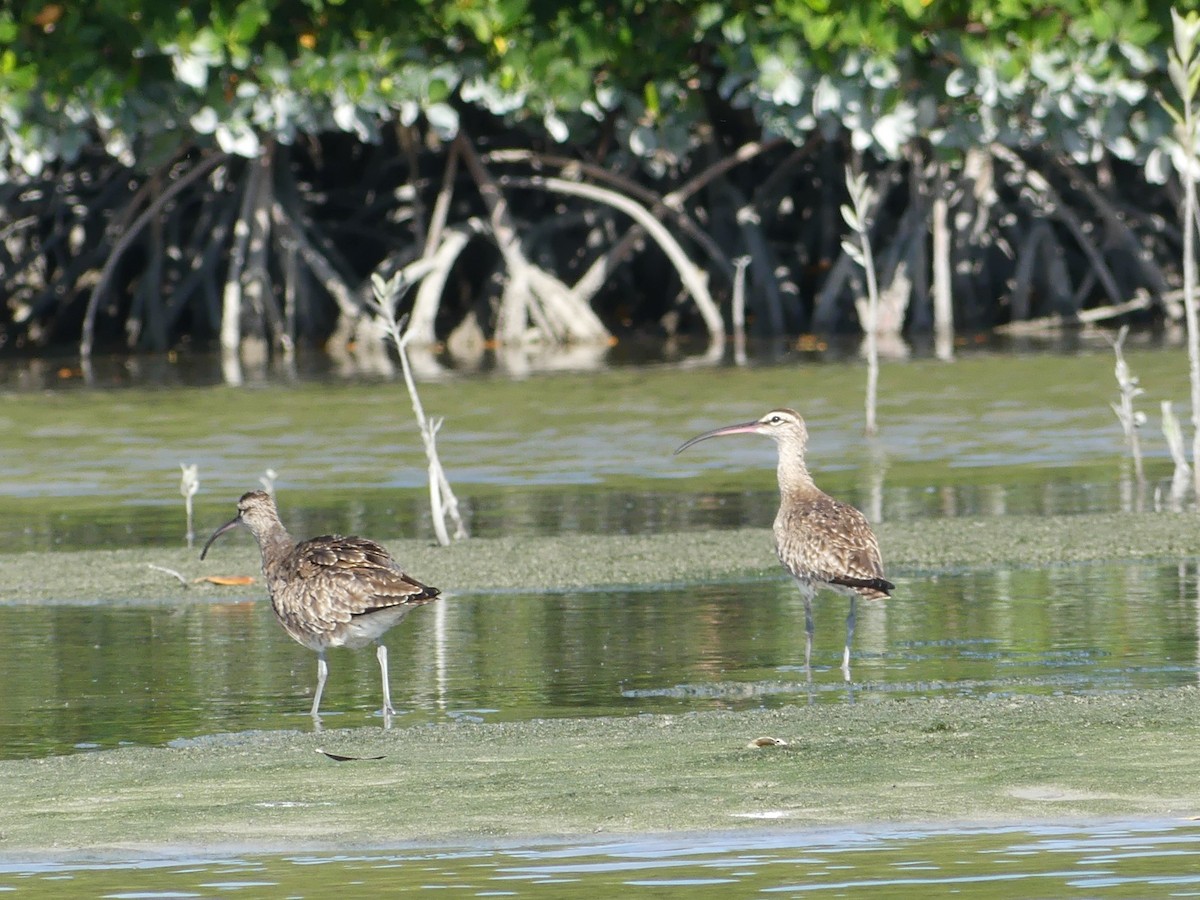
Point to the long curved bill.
(742, 428)
(228, 526)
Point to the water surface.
(94, 676)
(1114, 859)
(982, 436)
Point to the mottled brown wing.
(823, 539)
(350, 576)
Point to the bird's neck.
(794, 477)
(274, 545)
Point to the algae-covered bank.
(877, 759)
(939, 760)
(575, 561)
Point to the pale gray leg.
(322, 674)
(381, 655)
(850, 622)
(808, 627)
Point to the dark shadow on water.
(197, 366)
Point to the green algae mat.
(574, 561)
(937, 760)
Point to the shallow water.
(984, 436)
(1117, 859)
(566, 509)
(86, 677)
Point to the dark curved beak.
(228, 526)
(742, 428)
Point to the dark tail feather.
(874, 584)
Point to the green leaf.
(651, 99)
(1140, 34)
(819, 31)
(249, 18)
(710, 15)
(438, 91)
(1175, 114)
(1102, 25)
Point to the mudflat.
(911, 550)
(989, 761)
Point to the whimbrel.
(819, 540)
(329, 591)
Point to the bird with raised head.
(820, 541)
(329, 591)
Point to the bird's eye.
(775, 420)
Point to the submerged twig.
(338, 757)
(182, 580)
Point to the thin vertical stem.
(442, 501)
(1183, 67)
(855, 215)
(1189, 284)
(872, 338)
(1182, 475)
(1130, 419)
(943, 303)
(739, 309)
(189, 484)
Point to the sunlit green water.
(1120, 859)
(985, 435)
(83, 677)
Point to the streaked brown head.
(256, 510)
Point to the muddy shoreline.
(995, 761)
(911, 549)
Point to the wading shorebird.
(329, 591)
(819, 540)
